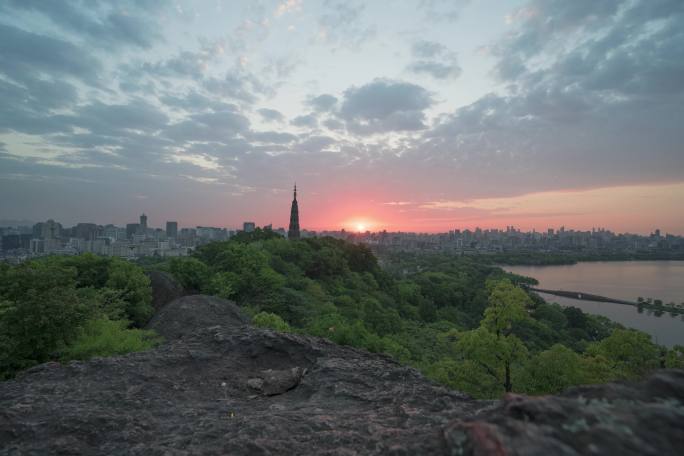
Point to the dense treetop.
(463, 323)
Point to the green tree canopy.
(630, 353)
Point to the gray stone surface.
(164, 289)
(192, 395)
(188, 314)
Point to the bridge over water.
(597, 298)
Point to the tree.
(507, 305)
(380, 319)
(221, 285)
(674, 359)
(40, 311)
(492, 347)
(630, 353)
(270, 320)
(259, 234)
(104, 337)
(190, 272)
(135, 290)
(552, 371)
(485, 361)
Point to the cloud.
(192, 101)
(238, 85)
(272, 137)
(436, 69)
(24, 52)
(106, 26)
(385, 105)
(308, 120)
(185, 64)
(315, 144)
(271, 115)
(287, 6)
(428, 49)
(205, 127)
(434, 59)
(443, 10)
(594, 89)
(342, 24)
(322, 103)
(137, 115)
(587, 95)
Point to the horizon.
(438, 115)
(352, 229)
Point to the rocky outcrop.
(164, 288)
(611, 419)
(221, 386)
(188, 314)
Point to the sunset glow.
(418, 119)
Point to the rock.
(617, 418)
(274, 382)
(187, 314)
(164, 289)
(256, 383)
(195, 394)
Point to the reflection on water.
(622, 280)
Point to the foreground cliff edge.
(221, 386)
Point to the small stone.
(256, 383)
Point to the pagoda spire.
(293, 231)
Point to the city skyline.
(435, 115)
(163, 225)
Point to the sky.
(425, 115)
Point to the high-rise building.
(248, 227)
(172, 229)
(131, 229)
(143, 224)
(86, 231)
(293, 231)
(47, 230)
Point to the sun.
(359, 224)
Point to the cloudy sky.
(423, 115)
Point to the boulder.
(272, 382)
(188, 314)
(164, 288)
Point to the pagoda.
(293, 231)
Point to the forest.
(465, 324)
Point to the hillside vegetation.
(462, 323)
(465, 324)
(64, 308)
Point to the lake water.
(621, 280)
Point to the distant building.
(15, 241)
(248, 227)
(132, 229)
(143, 224)
(47, 230)
(293, 231)
(37, 246)
(172, 229)
(86, 231)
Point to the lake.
(622, 280)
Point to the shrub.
(270, 320)
(104, 337)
